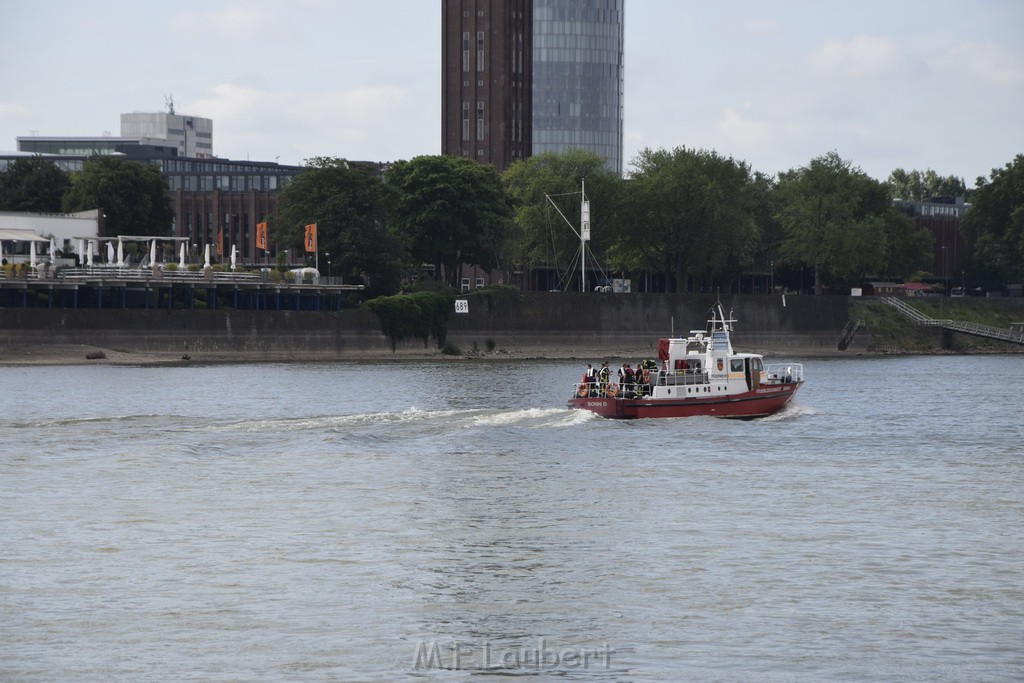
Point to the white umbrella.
(32, 255)
(207, 264)
(152, 253)
(233, 257)
(181, 257)
(1, 251)
(110, 252)
(120, 253)
(53, 250)
(81, 252)
(90, 248)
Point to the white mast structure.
(583, 233)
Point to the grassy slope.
(890, 331)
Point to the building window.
(465, 51)
(465, 284)
(480, 51)
(465, 120)
(479, 283)
(479, 120)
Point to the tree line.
(684, 220)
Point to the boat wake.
(790, 412)
(449, 420)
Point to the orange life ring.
(612, 390)
(582, 391)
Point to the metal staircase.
(973, 329)
(848, 333)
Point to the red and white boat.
(696, 375)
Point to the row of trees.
(693, 217)
(133, 196)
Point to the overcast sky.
(915, 84)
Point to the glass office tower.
(578, 77)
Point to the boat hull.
(761, 402)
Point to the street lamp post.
(327, 255)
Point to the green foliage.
(994, 226)
(347, 202)
(133, 196)
(451, 349)
(33, 184)
(449, 211)
(842, 223)
(541, 235)
(692, 212)
(421, 315)
(170, 267)
(922, 186)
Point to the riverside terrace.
(122, 288)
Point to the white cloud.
(241, 22)
(990, 63)
(14, 113)
(863, 57)
(741, 132)
(367, 123)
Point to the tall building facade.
(578, 77)
(486, 67)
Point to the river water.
(380, 521)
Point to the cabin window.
(736, 365)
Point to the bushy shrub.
(423, 314)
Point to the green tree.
(842, 223)
(347, 201)
(921, 186)
(692, 213)
(541, 235)
(993, 226)
(133, 196)
(449, 211)
(33, 184)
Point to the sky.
(912, 84)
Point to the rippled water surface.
(383, 521)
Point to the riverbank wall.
(532, 324)
(503, 324)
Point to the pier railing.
(974, 329)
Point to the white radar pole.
(584, 233)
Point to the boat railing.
(626, 389)
(610, 390)
(784, 373)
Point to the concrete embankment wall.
(628, 325)
(526, 324)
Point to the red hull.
(758, 403)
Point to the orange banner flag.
(311, 237)
(261, 235)
(219, 246)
